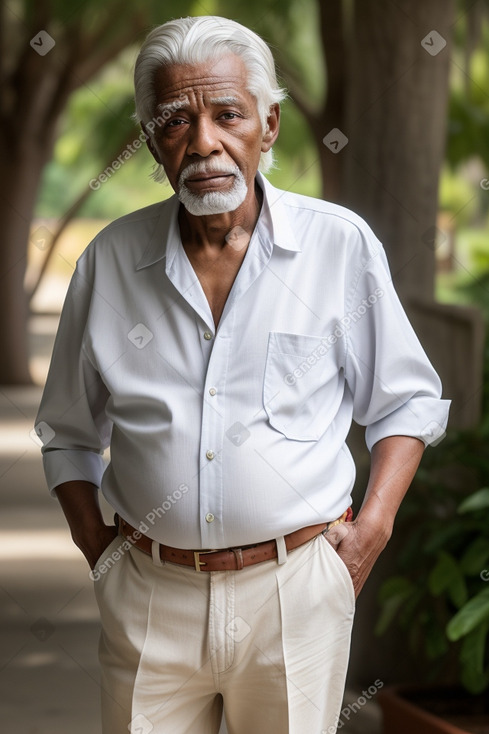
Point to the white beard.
(212, 202)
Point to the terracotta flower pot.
(433, 710)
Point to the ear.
(272, 127)
(150, 144)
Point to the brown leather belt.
(231, 559)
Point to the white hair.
(194, 41)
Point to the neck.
(210, 231)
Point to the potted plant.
(439, 597)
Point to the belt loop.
(238, 554)
(281, 550)
(155, 553)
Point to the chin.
(214, 202)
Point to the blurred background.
(387, 114)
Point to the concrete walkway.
(49, 679)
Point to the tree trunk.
(332, 31)
(396, 119)
(21, 172)
(331, 164)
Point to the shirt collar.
(273, 223)
(275, 218)
(163, 237)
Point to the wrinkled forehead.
(223, 80)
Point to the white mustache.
(194, 169)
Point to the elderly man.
(221, 342)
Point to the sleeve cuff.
(68, 465)
(421, 417)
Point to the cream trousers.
(268, 644)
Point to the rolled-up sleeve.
(395, 389)
(71, 422)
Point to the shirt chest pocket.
(303, 384)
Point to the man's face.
(211, 139)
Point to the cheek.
(171, 157)
(247, 146)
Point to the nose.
(203, 138)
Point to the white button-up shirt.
(226, 437)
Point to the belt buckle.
(198, 563)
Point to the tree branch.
(67, 218)
(96, 59)
(295, 90)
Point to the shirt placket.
(215, 346)
(211, 480)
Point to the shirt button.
(209, 517)
(210, 454)
(212, 391)
(207, 335)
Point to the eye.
(175, 123)
(229, 115)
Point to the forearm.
(80, 504)
(394, 461)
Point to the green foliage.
(447, 577)
(473, 676)
(393, 595)
(468, 130)
(470, 616)
(467, 147)
(468, 126)
(476, 502)
(456, 195)
(441, 599)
